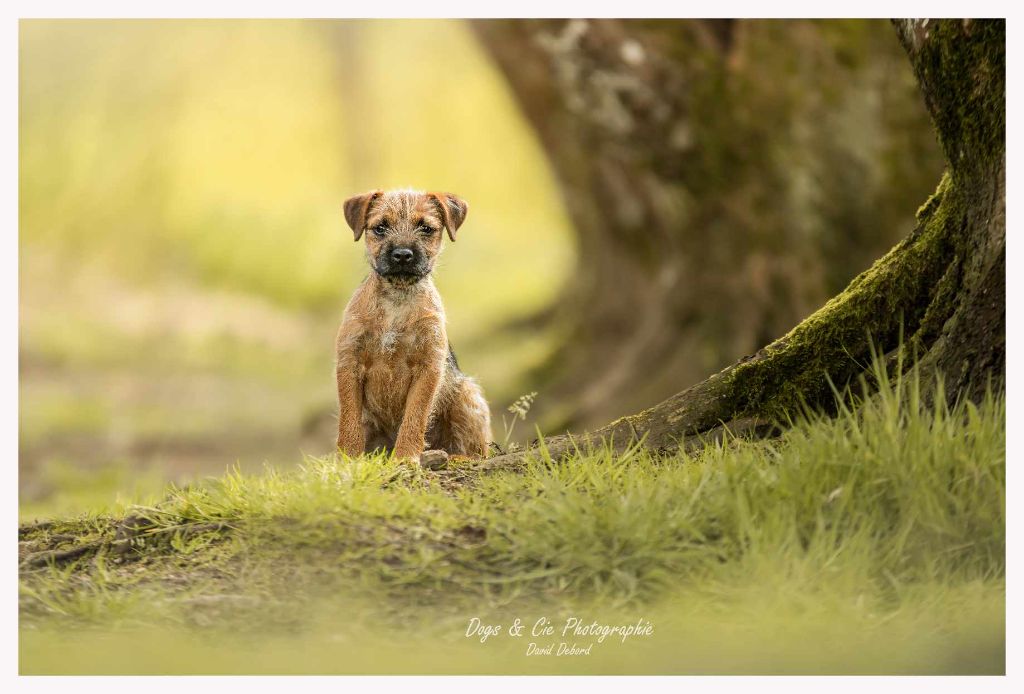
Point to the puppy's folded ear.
(453, 211)
(357, 208)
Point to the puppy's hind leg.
(469, 421)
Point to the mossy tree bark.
(942, 289)
(724, 178)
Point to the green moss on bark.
(961, 65)
(894, 295)
(916, 287)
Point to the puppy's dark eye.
(380, 229)
(425, 230)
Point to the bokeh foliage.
(184, 260)
(218, 151)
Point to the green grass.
(871, 542)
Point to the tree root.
(943, 287)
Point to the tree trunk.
(942, 288)
(724, 178)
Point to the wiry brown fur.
(399, 387)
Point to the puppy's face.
(403, 230)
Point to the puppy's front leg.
(418, 404)
(351, 437)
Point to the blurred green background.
(183, 256)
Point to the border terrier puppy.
(399, 385)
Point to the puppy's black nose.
(401, 255)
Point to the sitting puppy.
(399, 385)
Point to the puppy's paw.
(434, 459)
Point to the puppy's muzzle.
(402, 263)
